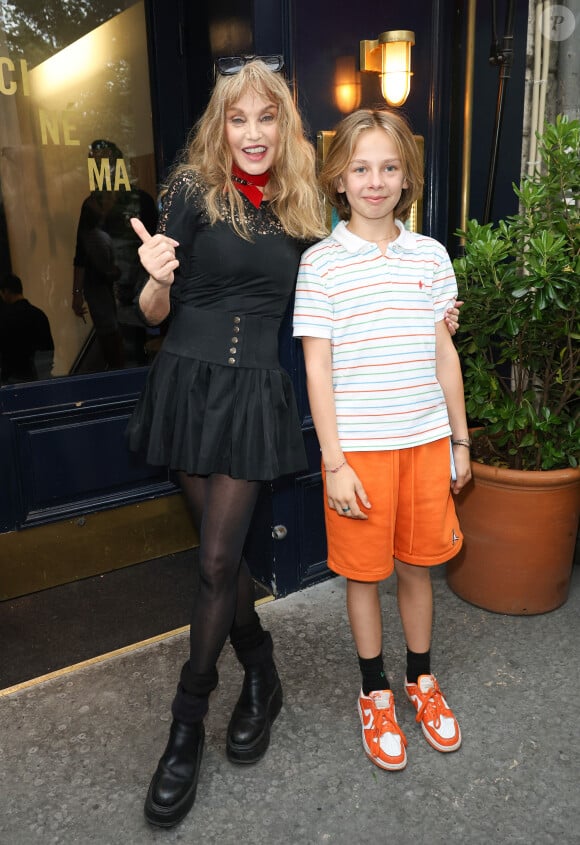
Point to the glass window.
(76, 162)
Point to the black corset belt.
(234, 340)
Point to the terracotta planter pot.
(520, 530)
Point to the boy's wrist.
(333, 462)
(337, 467)
(463, 436)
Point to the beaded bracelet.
(462, 442)
(340, 466)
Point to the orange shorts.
(412, 517)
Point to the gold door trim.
(38, 558)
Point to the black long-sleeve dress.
(216, 398)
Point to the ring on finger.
(345, 510)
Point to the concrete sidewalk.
(78, 751)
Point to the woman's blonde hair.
(342, 148)
(294, 195)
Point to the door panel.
(286, 547)
(67, 452)
(44, 556)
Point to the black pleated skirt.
(222, 415)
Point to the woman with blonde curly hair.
(217, 407)
(291, 186)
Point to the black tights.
(222, 509)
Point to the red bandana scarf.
(250, 186)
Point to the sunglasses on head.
(230, 65)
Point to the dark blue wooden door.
(286, 549)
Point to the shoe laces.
(433, 705)
(385, 720)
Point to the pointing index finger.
(144, 235)
(140, 229)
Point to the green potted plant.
(519, 345)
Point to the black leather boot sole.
(174, 785)
(248, 734)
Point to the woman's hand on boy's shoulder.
(452, 317)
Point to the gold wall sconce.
(347, 93)
(390, 56)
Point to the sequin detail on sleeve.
(190, 188)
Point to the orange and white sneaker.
(438, 723)
(383, 740)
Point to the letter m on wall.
(99, 174)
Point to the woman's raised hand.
(452, 317)
(157, 254)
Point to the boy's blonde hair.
(342, 148)
(294, 196)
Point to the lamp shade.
(390, 56)
(396, 65)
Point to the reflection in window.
(26, 344)
(76, 161)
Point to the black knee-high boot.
(259, 703)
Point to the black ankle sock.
(373, 674)
(418, 663)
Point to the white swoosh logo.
(368, 713)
